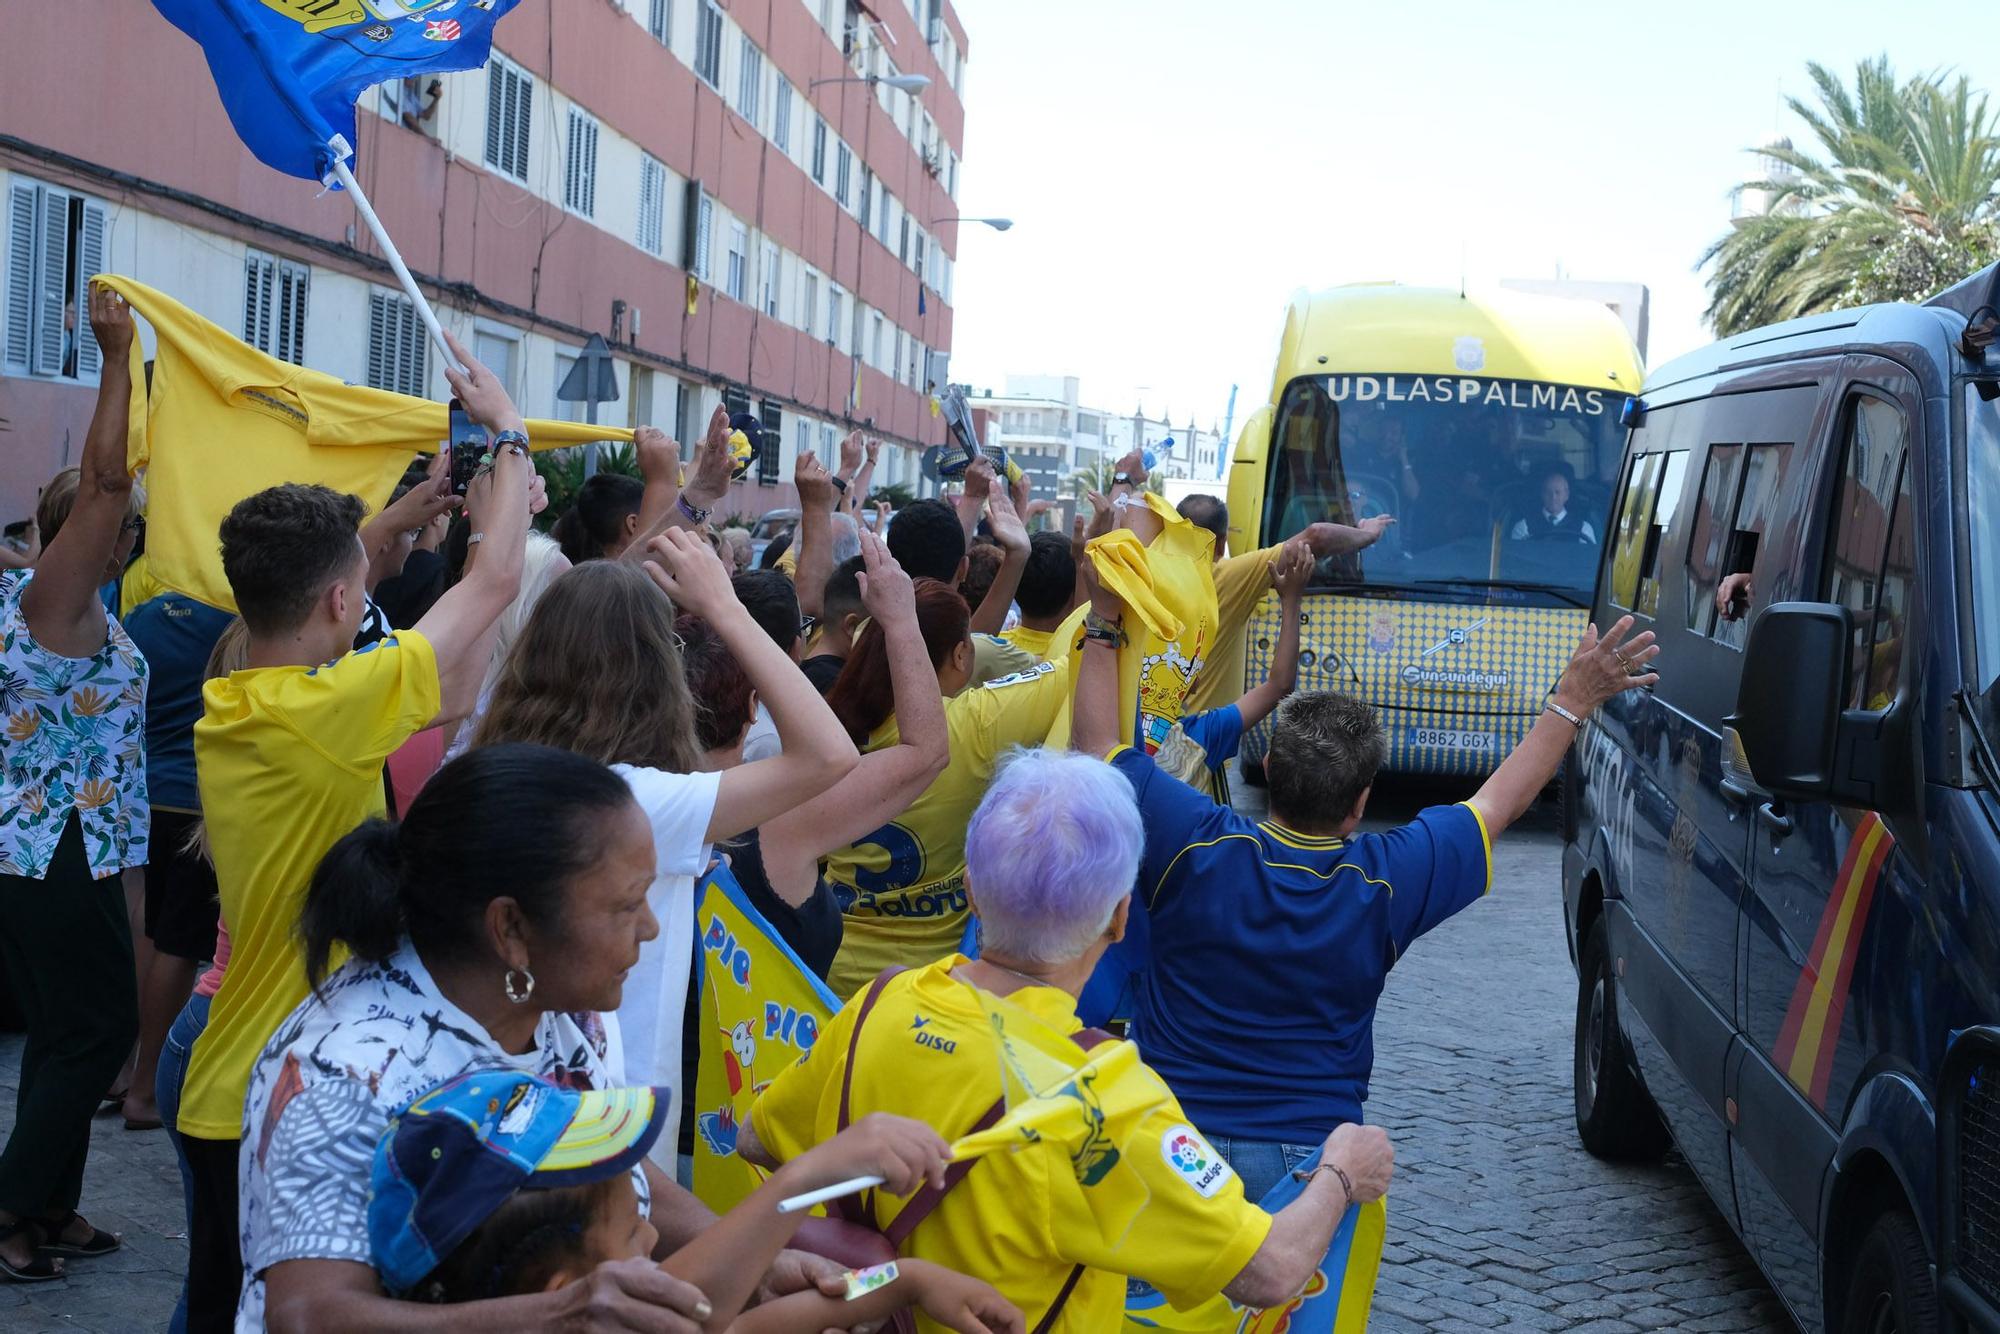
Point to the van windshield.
(1500, 488)
(1982, 484)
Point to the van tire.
(1890, 1290)
(1615, 1116)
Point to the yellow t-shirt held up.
(1022, 1220)
(288, 759)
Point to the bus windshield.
(1499, 488)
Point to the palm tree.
(1902, 203)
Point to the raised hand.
(850, 454)
(1102, 518)
(689, 572)
(1008, 529)
(504, 483)
(479, 391)
(1133, 465)
(886, 591)
(713, 463)
(978, 482)
(658, 455)
(1291, 572)
(871, 449)
(815, 486)
(1375, 526)
(111, 321)
(1607, 665)
(424, 502)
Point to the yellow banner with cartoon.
(760, 1010)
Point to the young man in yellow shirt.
(1047, 593)
(289, 756)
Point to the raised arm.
(858, 484)
(1292, 570)
(1095, 728)
(886, 781)
(1599, 669)
(1355, 1156)
(815, 752)
(990, 617)
(978, 485)
(707, 483)
(60, 603)
(815, 542)
(659, 460)
(1335, 539)
(461, 625)
(412, 513)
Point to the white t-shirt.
(679, 807)
(337, 1069)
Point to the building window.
(770, 457)
(917, 255)
(499, 350)
(580, 164)
(398, 356)
(781, 115)
(708, 44)
(875, 344)
(819, 150)
(749, 80)
(773, 277)
(652, 205)
(809, 302)
(895, 366)
(843, 173)
(903, 245)
(55, 244)
(867, 198)
(737, 276)
(836, 304)
(660, 21)
(274, 306)
(510, 100)
(703, 234)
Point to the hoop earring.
(519, 995)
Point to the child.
(499, 1184)
(1201, 745)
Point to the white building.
(1052, 434)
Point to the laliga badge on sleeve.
(1194, 1160)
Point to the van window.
(1709, 542)
(1673, 476)
(1764, 471)
(1873, 547)
(1635, 517)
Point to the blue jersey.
(1219, 732)
(176, 634)
(1270, 950)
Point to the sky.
(1176, 169)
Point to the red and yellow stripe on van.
(1812, 1021)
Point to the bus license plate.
(1444, 739)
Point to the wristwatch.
(689, 512)
(514, 440)
(1121, 479)
(839, 483)
(1103, 631)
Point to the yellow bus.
(1491, 429)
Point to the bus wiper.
(1568, 595)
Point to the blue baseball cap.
(458, 1152)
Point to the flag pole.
(341, 151)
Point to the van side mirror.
(1791, 697)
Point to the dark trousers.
(215, 1251)
(66, 946)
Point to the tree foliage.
(1897, 202)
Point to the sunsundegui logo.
(1194, 1160)
(1462, 678)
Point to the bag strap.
(875, 990)
(1048, 1321)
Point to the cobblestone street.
(1498, 1219)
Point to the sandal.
(41, 1269)
(99, 1243)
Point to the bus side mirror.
(1633, 415)
(1789, 702)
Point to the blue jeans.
(174, 1056)
(1262, 1163)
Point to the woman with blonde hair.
(597, 671)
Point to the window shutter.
(523, 107)
(590, 166)
(50, 291)
(378, 340)
(704, 227)
(256, 301)
(21, 207)
(662, 20)
(770, 456)
(496, 116)
(293, 282)
(90, 263)
(690, 228)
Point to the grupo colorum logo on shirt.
(1197, 1164)
(1468, 391)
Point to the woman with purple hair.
(1051, 853)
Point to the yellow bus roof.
(1387, 328)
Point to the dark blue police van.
(1781, 872)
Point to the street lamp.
(997, 224)
(902, 83)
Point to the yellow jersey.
(1020, 1220)
(288, 760)
(902, 888)
(1029, 640)
(1240, 584)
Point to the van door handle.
(1736, 793)
(1772, 819)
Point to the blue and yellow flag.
(289, 70)
(760, 1010)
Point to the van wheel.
(1615, 1116)
(1891, 1291)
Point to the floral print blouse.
(72, 739)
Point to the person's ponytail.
(355, 899)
